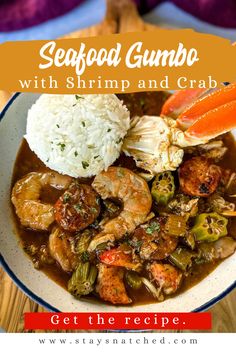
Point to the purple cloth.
(19, 14)
(217, 12)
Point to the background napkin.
(218, 12)
(19, 14)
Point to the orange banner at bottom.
(121, 321)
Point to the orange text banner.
(130, 62)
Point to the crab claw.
(207, 103)
(179, 101)
(211, 124)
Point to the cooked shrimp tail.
(32, 212)
(61, 250)
(121, 183)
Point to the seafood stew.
(129, 235)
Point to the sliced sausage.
(153, 242)
(199, 177)
(77, 208)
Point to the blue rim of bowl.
(43, 303)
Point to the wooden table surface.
(121, 16)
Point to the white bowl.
(45, 291)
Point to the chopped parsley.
(66, 198)
(85, 256)
(153, 226)
(93, 210)
(139, 244)
(95, 157)
(119, 141)
(142, 102)
(83, 123)
(108, 130)
(91, 146)
(85, 164)
(76, 153)
(58, 126)
(78, 207)
(78, 97)
(135, 243)
(62, 146)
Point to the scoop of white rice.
(77, 135)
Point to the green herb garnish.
(154, 226)
(66, 198)
(142, 102)
(119, 141)
(78, 207)
(85, 256)
(139, 244)
(78, 97)
(85, 164)
(76, 153)
(135, 243)
(62, 146)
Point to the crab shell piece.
(207, 103)
(208, 116)
(213, 123)
(151, 142)
(179, 101)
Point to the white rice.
(79, 136)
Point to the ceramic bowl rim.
(49, 307)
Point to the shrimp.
(166, 276)
(110, 286)
(61, 249)
(32, 212)
(121, 183)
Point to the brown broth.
(27, 161)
